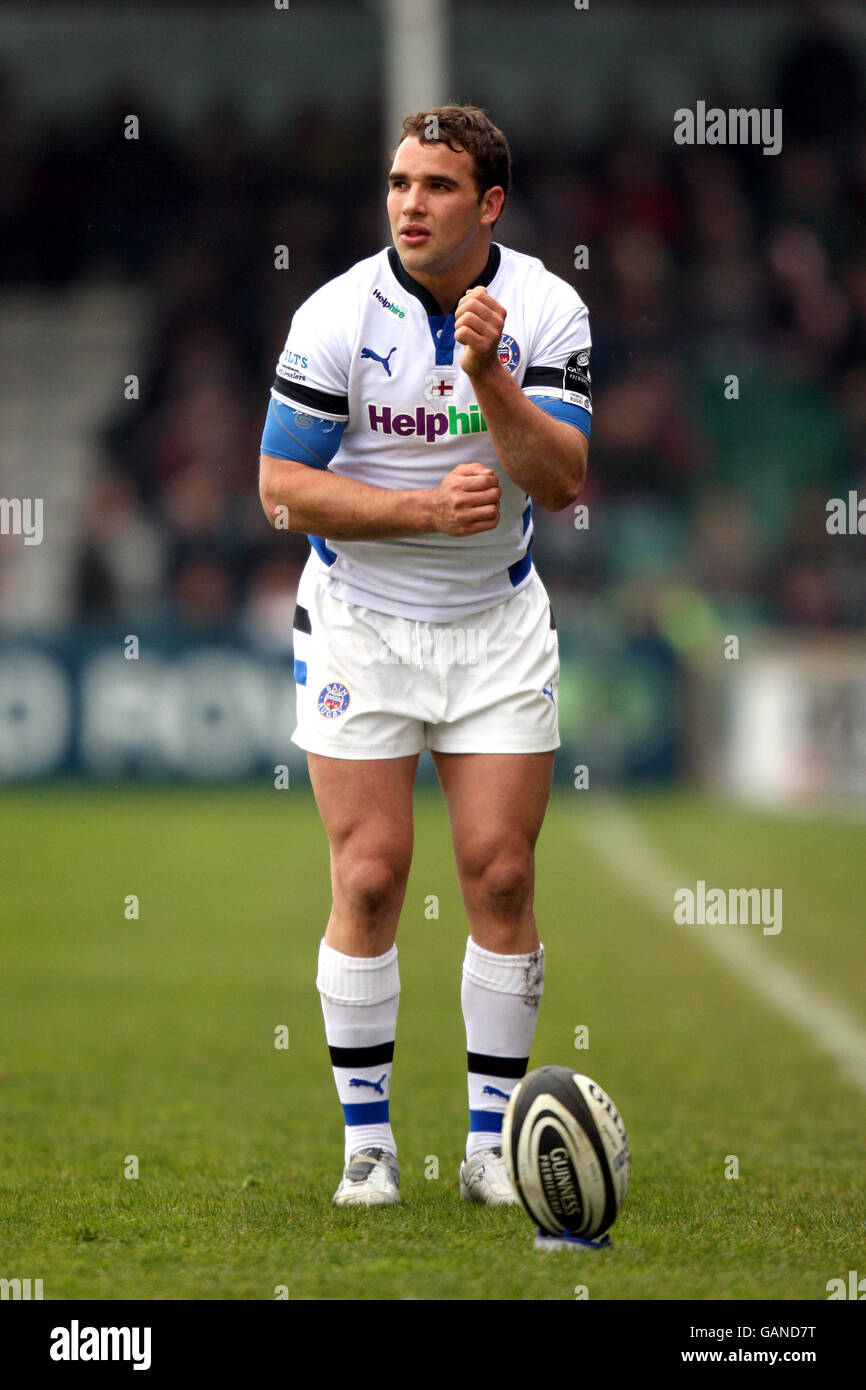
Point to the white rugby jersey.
(372, 348)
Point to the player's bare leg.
(366, 808)
(496, 805)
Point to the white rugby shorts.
(370, 685)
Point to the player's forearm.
(544, 456)
(299, 498)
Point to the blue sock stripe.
(484, 1121)
(374, 1112)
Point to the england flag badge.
(438, 386)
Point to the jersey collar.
(431, 305)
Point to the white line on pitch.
(630, 858)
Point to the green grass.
(155, 1038)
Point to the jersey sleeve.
(557, 374)
(313, 368)
(290, 433)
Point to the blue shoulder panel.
(295, 434)
(561, 410)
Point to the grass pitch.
(153, 1039)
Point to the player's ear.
(491, 205)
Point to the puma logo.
(368, 352)
(376, 1086)
(494, 1091)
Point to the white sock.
(500, 996)
(360, 998)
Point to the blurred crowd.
(727, 299)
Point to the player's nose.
(413, 200)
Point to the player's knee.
(504, 883)
(371, 884)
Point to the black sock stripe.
(361, 1056)
(496, 1066)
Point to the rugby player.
(425, 401)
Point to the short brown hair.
(466, 128)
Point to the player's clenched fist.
(467, 500)
(478, 325)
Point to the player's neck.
(446, 289)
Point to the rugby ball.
(566, 1152)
